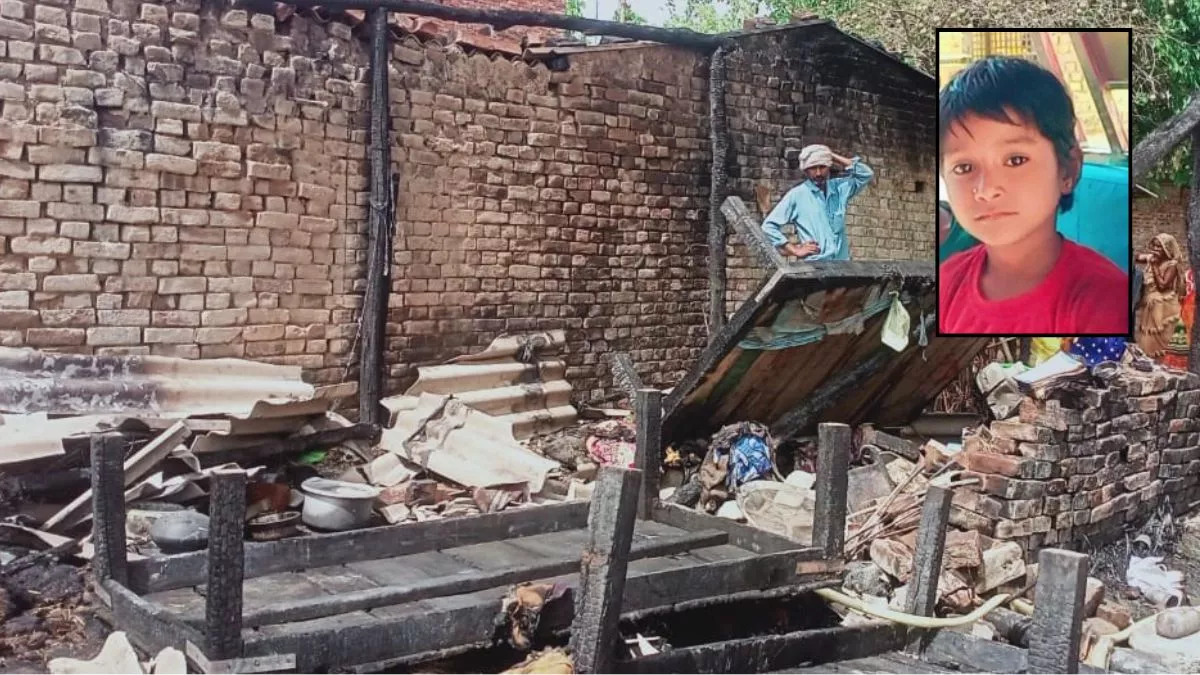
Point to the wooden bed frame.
(407, 593)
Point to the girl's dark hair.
(993, 86)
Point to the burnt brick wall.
(179, 180)
(184, 180)
(533, 200)
(1152, 216)
(791, 88)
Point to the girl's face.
(1003, 180)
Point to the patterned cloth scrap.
(750, 449)
(1097, 350)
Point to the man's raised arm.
(859, 173)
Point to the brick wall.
(788, 89)
(178, 182)
(178, 179)
(1079, 466)
(1166, 213)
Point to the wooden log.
(1058, 612)
(321, 550)
(502, 19)
(379, 230)
(312, 608)
(885, 441)
(718, 187)
(648, 417)
(108, 506)
(226, 565)
(737, 215)
(1012, 626)
(829, 517)
(927, 559)
(289, 446)
(602, 576)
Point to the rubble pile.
(1084, 453)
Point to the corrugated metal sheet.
(517, 379)
(32, 381)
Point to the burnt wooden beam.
(594, 630)
(1058, 612)
(885, 441)
(150, 626)
(835, 388)
(150, 575)
(829, 510)
(319, 440)
(108, 508)
(226, 565)
(1156, 145)
(927, 559)
(736, 214)
(718, 121)
(502, 19)
(343, 603)
(648, 418)
(742, 536)
(373, 321)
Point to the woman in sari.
(1164, 286)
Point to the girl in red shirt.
(1010, 162)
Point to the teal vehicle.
(1099, 218)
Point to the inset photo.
(1033, 184)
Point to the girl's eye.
(960, 169)
(1017, 160)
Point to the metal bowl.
(272, 526)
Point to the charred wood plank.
(736, 214)
(594, 631)
(312, 608)
(625, 375)
(743, 536)
(885, 441)
(321, 550)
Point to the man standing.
(817, 207)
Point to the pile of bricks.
(1081, 462)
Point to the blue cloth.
(818, 217)
(1095, 351)
(750, 460)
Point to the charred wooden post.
(719, 186)
(379, 229)
(108, 509)
(625, 375)
(1058, 612)
(226, 565)
(927, 559)
(833, 461)
(602, 577)
(501, 19)
(648, 416)
(736, 214)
